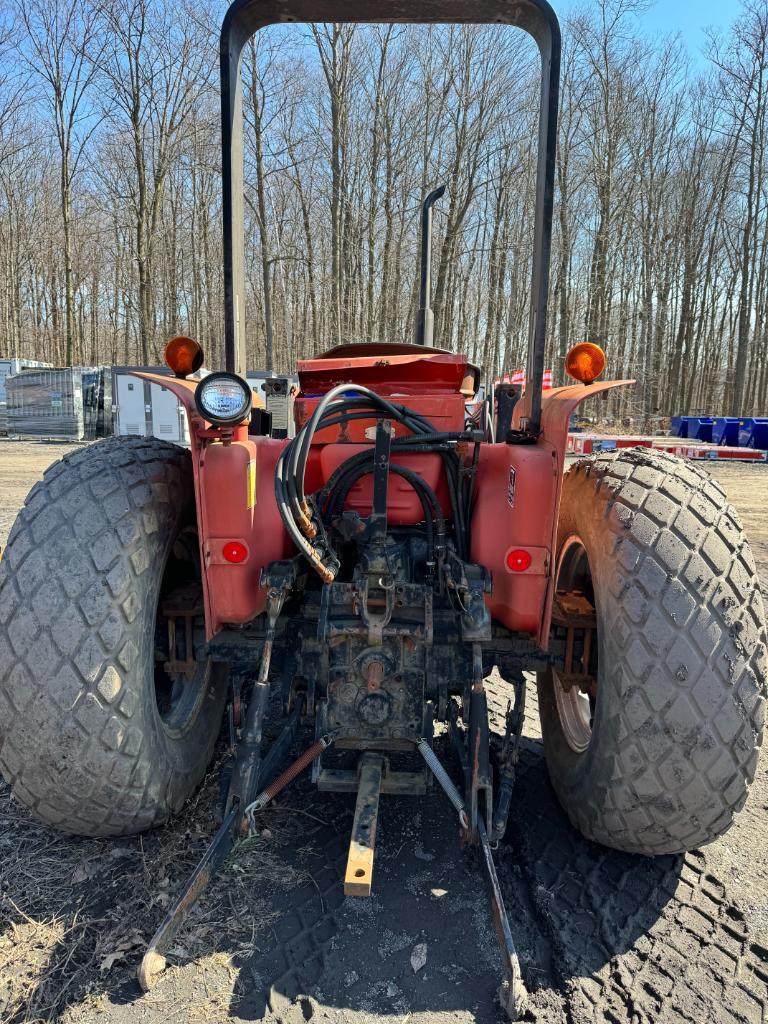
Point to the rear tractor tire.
(654, 749)
(107, 718)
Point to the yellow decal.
(251, 484)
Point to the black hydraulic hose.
(335, 414)
(429, 504)
(450, 462)
(470, 483)
(285, 513)
(334, 409)
(289, 485)
(382, 407)
(292, 479)
(364, 407)
(299, 461)
(361, 458)
(287, 478)
(336, 418)
(422, 443)
(420, 485)
(379, 406)
(451, 478)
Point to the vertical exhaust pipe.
(425, 319)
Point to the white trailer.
(146, 409)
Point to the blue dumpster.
(753, 433)
(725, 430)
(700, 427)
(678, 427)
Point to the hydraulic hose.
(429, 502)
(338, 406)
(328, 408)
(299, 460)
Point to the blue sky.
(689, 17)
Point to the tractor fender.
(235, 502)
(556, 409)
(517, 507)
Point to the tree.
(62, 50)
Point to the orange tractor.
(366, 575)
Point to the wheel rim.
(576, 692)
(180, 679)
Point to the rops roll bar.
(245, 17)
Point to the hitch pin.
(446, 783)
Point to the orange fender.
(556, 410)
(517, 505)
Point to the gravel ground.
(603, 937)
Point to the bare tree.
(155, 69)
(62, 50)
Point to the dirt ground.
(603, 937)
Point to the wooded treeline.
(110, 206)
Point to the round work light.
(223, 399)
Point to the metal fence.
(73, 403)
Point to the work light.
(223, 399)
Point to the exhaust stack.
(425, 319)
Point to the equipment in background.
(279, 393)
(728, 431)
(144, 409)
(753, 432)
(71, 403)
(580, 443)
(256, 379)
(725, 430)
(9, 368)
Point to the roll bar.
(245, 17)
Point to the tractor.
(357, 582)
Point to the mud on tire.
(83, 741)
(677, 720)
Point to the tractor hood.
(391, 368)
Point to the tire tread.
(686, 640)
(68, 606)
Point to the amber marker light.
(183, 355)
(585, 362)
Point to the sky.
(689, 17)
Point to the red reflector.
(518, 560)
(234, 551)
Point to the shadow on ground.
(602, 936)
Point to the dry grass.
(75, 914)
